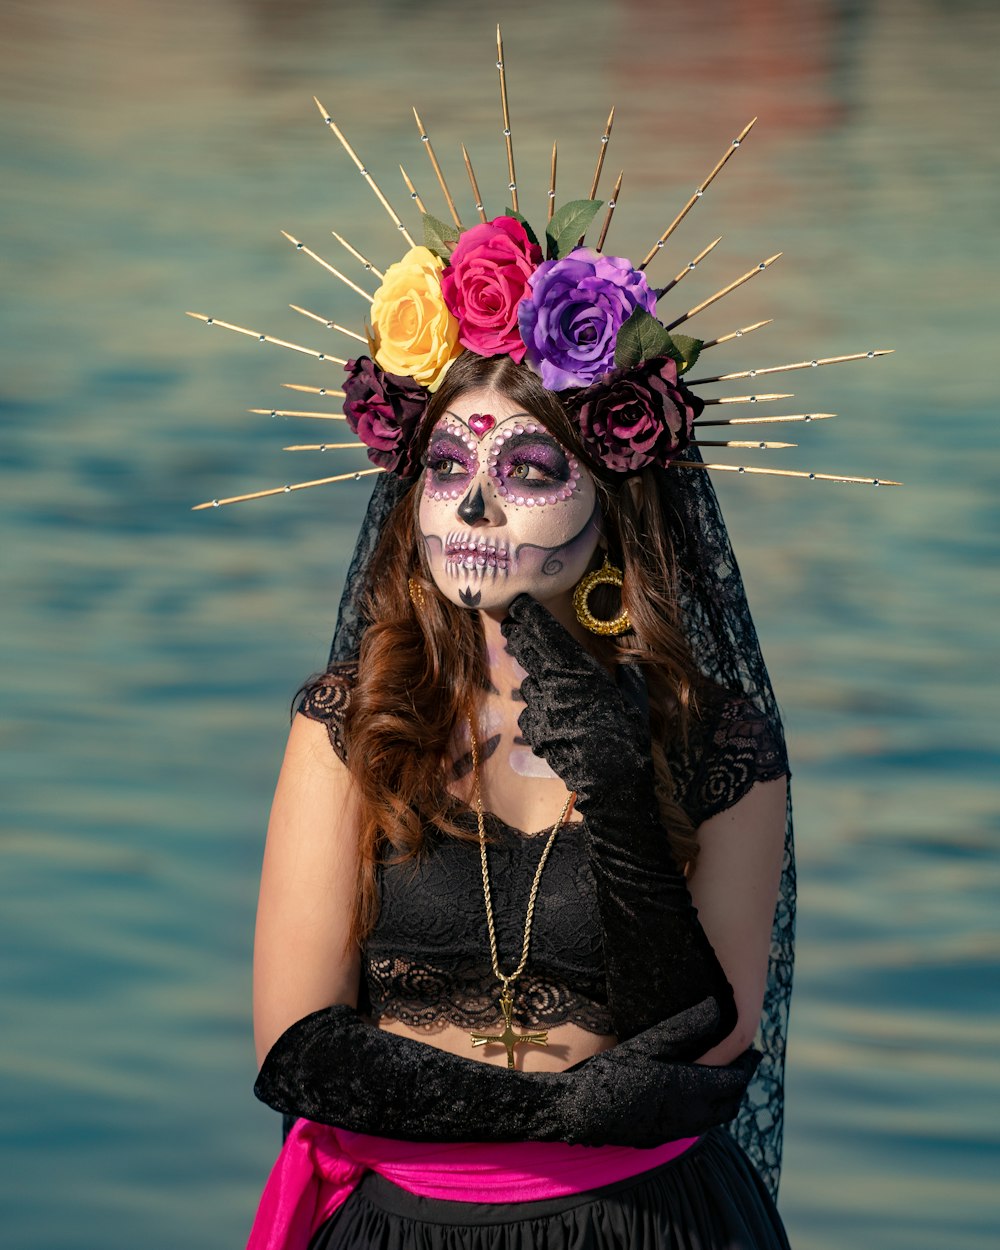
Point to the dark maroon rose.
(636, 417)
(384, 410)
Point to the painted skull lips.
(462, 551)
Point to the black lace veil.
(722, 635)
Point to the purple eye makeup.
(451, 460)
(529, 468)
(526, 465)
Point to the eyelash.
(447, 466)
(516, 463)
(442, 463)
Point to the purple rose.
(637, 417)
(571, 319)
(384, 410)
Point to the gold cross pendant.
(508, 1038)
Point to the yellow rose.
(415, 334)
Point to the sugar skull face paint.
(505, 508)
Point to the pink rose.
(485, 280)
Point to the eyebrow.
(542, 435)
(449, 413)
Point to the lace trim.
(428, 998)
(325, 698)
(743, 751)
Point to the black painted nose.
(473, 506)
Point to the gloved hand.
(334, 1068)
(659, 959)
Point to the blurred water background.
(151, 153)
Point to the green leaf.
(568, 224)
(439, 236)
(641, 338)
(532, 237)
(688, 351)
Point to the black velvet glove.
(334, 1068)
(659, 959)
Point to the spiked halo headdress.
(586, 321)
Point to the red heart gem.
(481, 423)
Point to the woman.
(427, 972)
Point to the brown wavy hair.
(418, 670)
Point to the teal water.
(151, 153)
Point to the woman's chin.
(495, 597)
(482, 596)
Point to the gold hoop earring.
(606, 575)
(416, 595)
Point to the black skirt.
(708, 1198)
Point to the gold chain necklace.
(508, 1037)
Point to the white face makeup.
(505, 508)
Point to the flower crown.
(584, 321)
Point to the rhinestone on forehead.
(481, 423)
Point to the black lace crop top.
(427, 961)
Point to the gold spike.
(354, 252)
(511, 175)
(605, 138)
(364, 173)
(288, 412)
(736, 334)
(799, 364)
(313, 390)
(347, 446)
(301, 247)
(413, 191)
(600, 165)
(552, 184)
(612, 205)
(658, 245)
(747, 399)
(688, 268)
(330, 325)
(819, 477)
(475, 185)
(266, 338)
(707, 442)
(797, 416)
(284, 490)
(751, 273)
(426, 140)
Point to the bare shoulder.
(314, 801)
(740, 850)
(308, 749)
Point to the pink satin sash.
(319, 1166)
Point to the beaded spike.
(505, 109)
(266, 338)
(702, 188)
(394, 216)
(286, 489)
